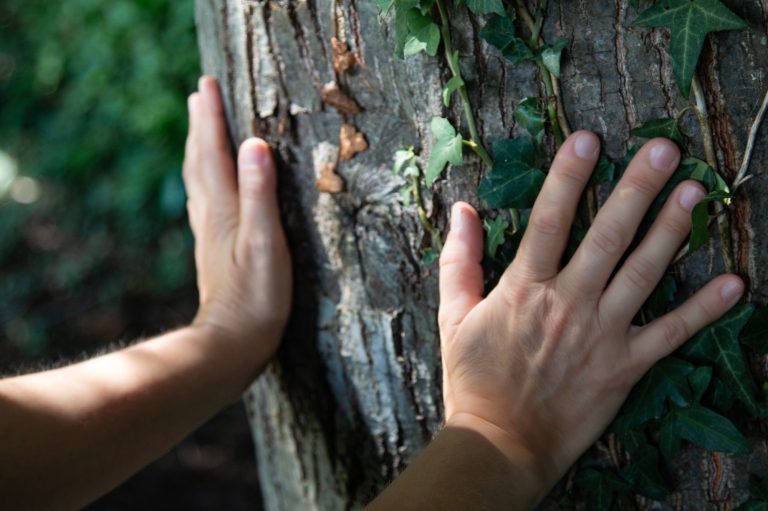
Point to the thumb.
(461, 274)
(257, 188)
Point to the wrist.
(529, 468)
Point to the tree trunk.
(355, 392)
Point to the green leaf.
(599, 494)
(495, 231)
(551, 55)
(429, 256)
(689, 22)
(700, 380)
(755, 334)
(385, 5)
(446, 149)
(718, 345)
(529, 114)
(700, 217)
(705, 428)
(644, 474)
(667, 380)
(722, 396)
(500, 32)
(753, 505)
(513, 181)
(666, 128)
(604, 171)
(700, 170)
(423, 34)
(451, 87)
(401, 158)
(656, 305)
(486, 6)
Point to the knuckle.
(548, 222)
(569, 172)
(641, 185)
(513, 292)
(677, 226)
(707, 311)
(640, 273)
(675, 331)
(607, 238)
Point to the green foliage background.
(93, 107)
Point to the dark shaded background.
(94, 244)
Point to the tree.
(355, 392)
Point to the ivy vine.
(686, 397)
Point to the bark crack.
(627, 99)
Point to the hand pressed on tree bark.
(540, 366)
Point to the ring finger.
(644, 268)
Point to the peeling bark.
(355, 391)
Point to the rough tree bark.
(355, 392)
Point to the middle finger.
(617, 221)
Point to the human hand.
(243, 263)
(542, 365)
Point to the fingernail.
(732, 291)
(255, 154)
(586, 146)
(664, 157)
(690, 196)
(458, 218)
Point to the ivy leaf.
(656, 304)
(451, 87)
(701, 171)
(385, 6)
(722, 397)
(703, 427)
(665, 127)
(551, 55)
(486, 6)
(500, 32)
(495, 231)
(529, 114)
(604, 171)
(423, 34)
(401, 158)
(644, 475)
(700, 380)
(667, 380)
(599, 494)
(429, 256)
(755, 334)
(718, 345)
(447, 149)
(689, 22)
(700, 216)
(513, 181)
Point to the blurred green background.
(93, 237)
(94, 244)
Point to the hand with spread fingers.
(538, 368)
(243, 262)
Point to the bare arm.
(71, 434)
(534, 372)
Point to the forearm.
(465, 469)
(71, 434)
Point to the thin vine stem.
(741, 175)
(434, 233)
(723, 224)
(469, 114)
